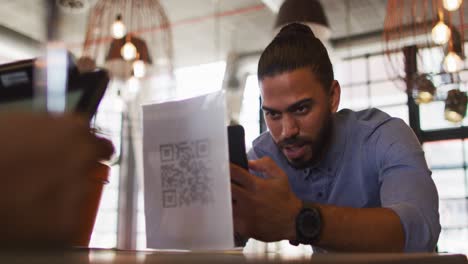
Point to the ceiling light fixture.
(309, 12)
(452, 5)
(118, 28)
(139, 68)
(406, 28)
(121, 32)
(452, 62)
(440, 33)
(128, 50)
(424, 89)
(455, 105)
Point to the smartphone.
(93, 86)
(236, 140)
(83, 93)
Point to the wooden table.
(156, 257)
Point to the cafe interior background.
(182, 48)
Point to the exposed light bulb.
(424, 97)
(118, 28)
(440, 33)
(452, 62)
(423, 89)
(455, 105)
(128, 51)
(139, 69)
(453, 116)
(452, 5)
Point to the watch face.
(309, 223)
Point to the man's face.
(298, 113)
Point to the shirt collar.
(334, 155)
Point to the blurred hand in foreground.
(45, 165)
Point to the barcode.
(185, 171)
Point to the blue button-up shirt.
(374, 161)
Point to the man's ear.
(335, 94)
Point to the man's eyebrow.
(268, 109)
(299, 103)
(291, 107)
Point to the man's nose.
(290, 127)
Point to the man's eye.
(302, 109)
(272, 115)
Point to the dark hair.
(294, 47)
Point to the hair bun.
(296, 28)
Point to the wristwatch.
(308, 225)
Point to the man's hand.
(264, 209)
(45, 165)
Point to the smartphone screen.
(17, 88)
(83, 95)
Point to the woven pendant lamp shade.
(146, 27)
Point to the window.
(354, 97)
(250, 110)
(387, 93)
(447, 159)
(436, 154)
(432, 116)
(367, 82)
(201, 79)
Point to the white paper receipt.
(186, 174)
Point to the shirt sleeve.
(251, 155)
(406, 185)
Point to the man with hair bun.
(339, 181)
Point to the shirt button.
(319, 195)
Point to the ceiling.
(202, 31)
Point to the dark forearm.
(360, 229)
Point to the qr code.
(185, 174)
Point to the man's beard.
(317, 148)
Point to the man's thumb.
(266, 166)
